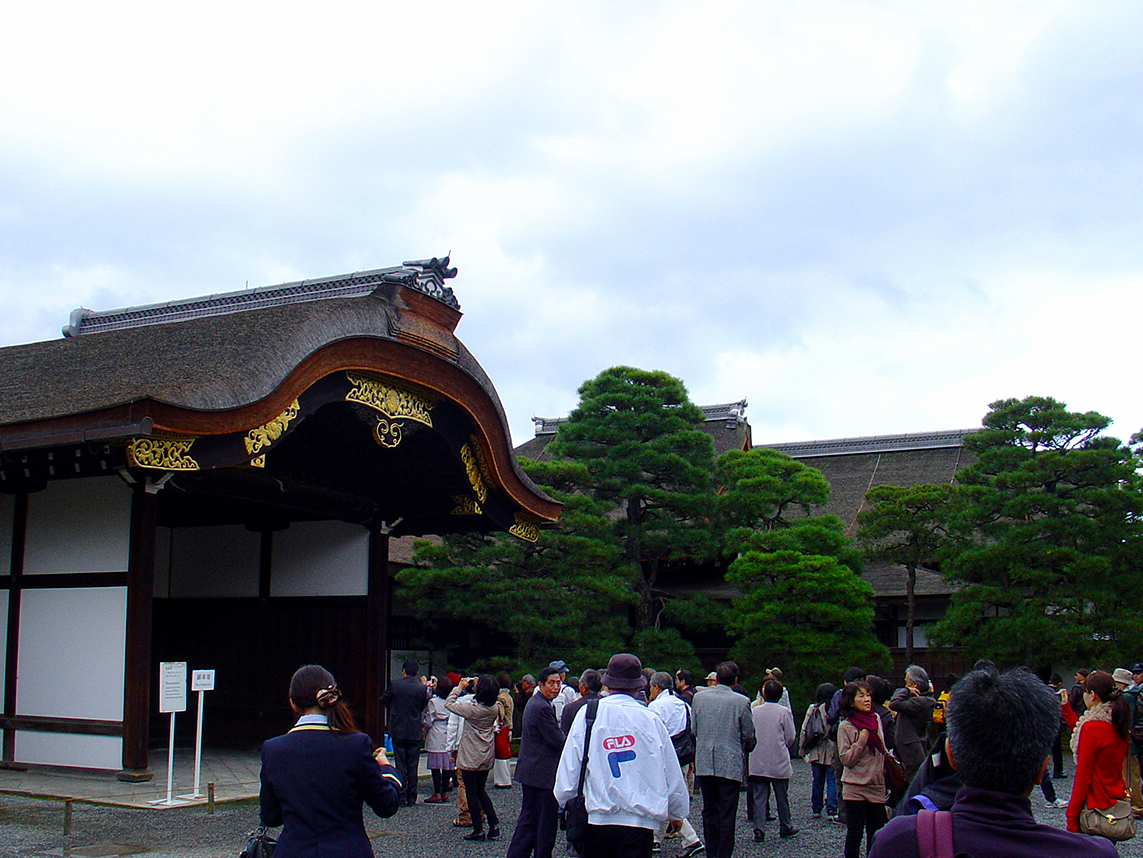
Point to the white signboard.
(202, 680)
(173, 686)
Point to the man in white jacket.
(633, 781)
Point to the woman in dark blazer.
(316, 777)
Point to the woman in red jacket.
(1099, 743)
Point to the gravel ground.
(31, 828)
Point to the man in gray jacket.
(724, 735)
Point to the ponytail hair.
(314, 686)
(1103, 686)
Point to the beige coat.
(863, 778)
(823, 752)
(477, 740)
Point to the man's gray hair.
(663, 680)
(917, 675)
(592, 680)
(1000, 729)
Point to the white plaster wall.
(79, 526)
(212, 562)
(72, 649)
(162, 562)
(320, 558)
(7, 514)
(64, 749)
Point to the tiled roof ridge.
(426, 276)
(734, 413)
(873, 444)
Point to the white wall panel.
(72, 648)
(79, 526)
(208, 562)
(63, 749)
(320, 558)
(7, 514)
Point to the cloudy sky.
(864, 217)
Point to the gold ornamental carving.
(472, 469)
(483, 465)
(393, 402)
(266, 435)
(164, 454)
(465, 505)
(524, 529)
(388, 433)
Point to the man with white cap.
(632, 782)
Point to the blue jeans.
(823, 776)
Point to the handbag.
(259, 844)
(573, 815)
(1114, 823)
(894, 773)
(684, 742)
(503, 743)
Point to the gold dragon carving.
(393, 402)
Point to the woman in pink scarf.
(861, 749)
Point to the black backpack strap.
(592, 709)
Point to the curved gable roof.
(231, 363)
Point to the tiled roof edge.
(425, 276)
(734, 413)
(872, 444)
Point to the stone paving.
(33, 827)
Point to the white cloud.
(865, 218)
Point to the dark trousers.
(761, 790)
(1048, 787)
(1058, 756)
(535, 832)
(861, 817)
(719, 814)
(406, 757)
(479, 804)
(617, 841)
(823, 781)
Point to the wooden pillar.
(12, 653)
(377, 634)
(137, 667)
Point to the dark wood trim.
(377, 633)
(265, 564)
(79, 726)
(63, 581)
(137, 662)
(12, 653)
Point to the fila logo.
(618, 743)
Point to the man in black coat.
(406, 699)
(541, 742)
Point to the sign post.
(202, 681)
(172, 698)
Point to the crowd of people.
(619, 752)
